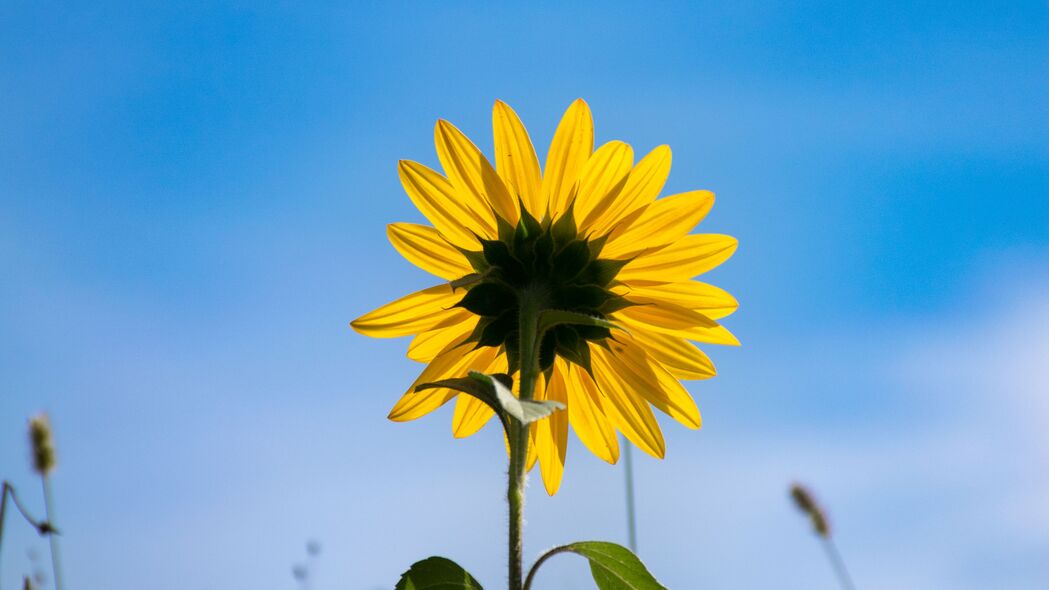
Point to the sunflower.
(591, 235)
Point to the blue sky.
(193, 207)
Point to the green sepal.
(570, 260)
(614, 304)
(554, 317)
(488, 299)
(504, 230)
(498, 255)
(528, 227)
(602, 271)
(596, 245)
(495, 330)
(564, 229)
(437, 573)
(579, 297)
(511, 348)
(466, 281)
(547, 351)
(543, 254)
(572, 347)
(476, 259)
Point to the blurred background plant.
(44, 460)
(304, 571)
(807, 504)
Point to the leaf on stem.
(614, 567)
(494, 391)
(523, 410)
(437, 573)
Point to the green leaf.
(494, 390)
(613, 566)
(482, 390)
(437, 573)
(523, 410)
(555, 317)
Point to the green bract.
(558, 269)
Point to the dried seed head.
(805, 502)
(42, 443)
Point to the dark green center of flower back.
(557, 268)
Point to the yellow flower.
(591, 235)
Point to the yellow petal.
(533, 428)
(603, 175)
(677, 355)
(642, 187)
(674, 320)
(570, 149)
(477, 182)
(515, 158)
(436, 198)
(455, 361)
(663, 314)
(456, 325)
(663, 222)
(625, 407)
(588, 418)
(690, 256)
(471, 414)
(552, 433)
(711, 301)
(652, 382)
(410, 314)
(424, 247)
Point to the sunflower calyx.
(557, 270)
(496, 392)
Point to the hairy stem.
(518, 436)
(515, 498)
(540, 561)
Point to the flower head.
(807, 503)
(589, 235)
(42, 444)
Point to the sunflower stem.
(529, 307)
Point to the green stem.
(49, 513)
(838, 564)
(515, 498)
(529, 357)
(43, 527)
(631, 518)
(3, 512)
(540, 561)
(518, 434)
